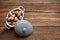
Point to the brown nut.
(14, 23)
(9, 23)
(16, 19)
(8, 18)
(2, 29)
(16, 12)
(13, 12)
(11, 18)
(19, 13)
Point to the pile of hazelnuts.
(14, 16)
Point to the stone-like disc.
(23, 28)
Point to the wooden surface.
(44, 16)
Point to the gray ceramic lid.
(23, 28)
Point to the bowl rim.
(10, 12)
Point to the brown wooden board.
(45, 18)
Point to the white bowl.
(8, 26)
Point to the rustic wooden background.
(43, 14)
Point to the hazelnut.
(19, 13)
(2, 29)
(16, 18)
(8, 18)
(13, 12)
(9, 22)
(14, 23)
(11, 18)
(16, 12)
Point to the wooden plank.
(40, 33)
(37, 7)
(31, 5)
(32, 1)
(43, 19)
(43, 14)
(39, 19)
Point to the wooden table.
(44, 16)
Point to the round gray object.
(23, 28)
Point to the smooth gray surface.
(23, 28)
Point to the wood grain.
(44, 16)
